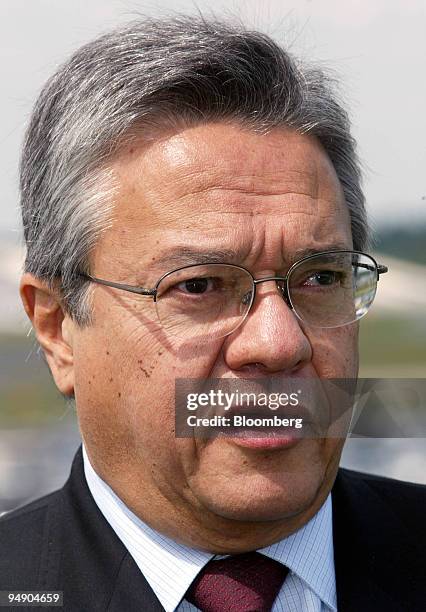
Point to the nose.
(270, 337)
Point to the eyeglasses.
(328, 289)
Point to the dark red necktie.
(242, 583)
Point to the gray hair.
(154, 74)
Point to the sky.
(378, 48)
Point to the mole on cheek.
(144, 370)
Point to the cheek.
(137, 341)
(335, 351)
(126, 370)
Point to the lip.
(266, 442)
(270, 439)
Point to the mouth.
(269, 430)
(261, 417)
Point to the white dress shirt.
(170, 568)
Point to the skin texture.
(210, 187)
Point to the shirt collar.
(309, 553)
(170, 567)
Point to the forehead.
(222, 155)
(222, 183)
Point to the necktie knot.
(248, 582)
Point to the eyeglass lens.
(205, 300)
(333, 289)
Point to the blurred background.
(378, 49)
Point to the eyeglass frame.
(379, 268)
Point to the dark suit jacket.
(63, 542)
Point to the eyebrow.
(307, 252)
(186, 255)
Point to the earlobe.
(53, 329)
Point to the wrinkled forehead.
(221, 183)
(220, 155)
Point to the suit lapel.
(131, 591)
(95, 567)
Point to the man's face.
(210, 188)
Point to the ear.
(54, 329)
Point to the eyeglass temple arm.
(131, 288)
(381, 269)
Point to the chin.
(257, 498)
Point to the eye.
(197, 285)
(323, 278)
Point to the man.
(166, 166)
